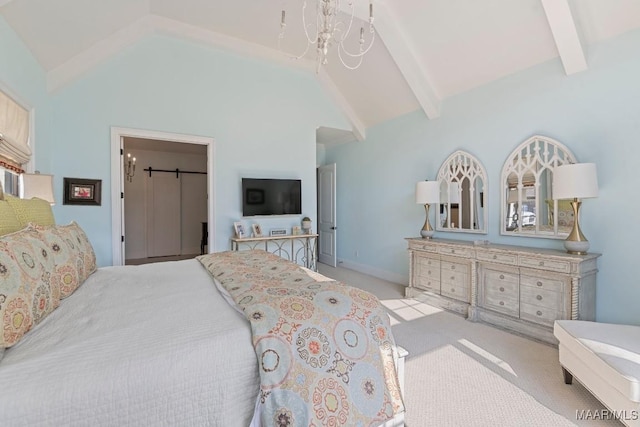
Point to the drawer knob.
(539, 313)
(453, 251)
(495, 257)
(453, 289)
(541, 263)
(453, 267)
(502, 277)
(539, 283)
(501, 302)
(453, 277)
(501, 289)
(539, 297)
(429, 272)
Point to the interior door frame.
(117, 182)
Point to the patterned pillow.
(33, 210)
(72, 253)
(27, 294)
(8, 221)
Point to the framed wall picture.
(239, 229)
(257, 230)
(79, 191)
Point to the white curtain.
(14, 131)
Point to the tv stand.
(299, 248)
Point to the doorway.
(161, 211)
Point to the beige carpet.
(462, 373)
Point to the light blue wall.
(23, 77)
(263, 119)
(595, 113)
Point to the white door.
(163, 215)
(327, 227)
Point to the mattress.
(153, 345)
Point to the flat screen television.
(271, 197)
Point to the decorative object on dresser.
(38, 185)
(306, 225)
(517, 288)
(526, 185)
(463, 183)
(575, 181)
(278, 232)
(238, 228)
(256, 229)
(427, 192)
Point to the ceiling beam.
(401, 49)
(565, 35)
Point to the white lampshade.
(427, 192)
(38, 185)
(578, 180)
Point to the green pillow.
(34, 210)
(8, 219)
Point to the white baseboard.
(376, 272)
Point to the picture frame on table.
(257, 230)
(80, 191)
(239, 230)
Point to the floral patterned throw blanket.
(324, 349)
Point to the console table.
(517, 288)
(299, 248)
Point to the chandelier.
(329, 30)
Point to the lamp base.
(576, 247)
(427, 234)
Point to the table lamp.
(427, 192)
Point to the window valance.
(14, 133)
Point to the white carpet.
(462, 373)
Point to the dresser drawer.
(456, 251)
(541, 298)
(501, 302)
(501, 281)
(547, 284)
(541, 315)
(545, 264)
(423, 245)
(428, 267)
(427, 284)
(499, 257)
(452, 290)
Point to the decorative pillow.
(72, 253)
(8, 220)
(27, 294)
(34, 210)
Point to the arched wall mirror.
(527, 204)
(463, 195)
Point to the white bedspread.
(151, 345)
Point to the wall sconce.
(427, 192)
(575, 181)
(130, 167)
(38, 185)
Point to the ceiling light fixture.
(331, 30)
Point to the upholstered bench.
(605, 358)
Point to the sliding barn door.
(163, 215)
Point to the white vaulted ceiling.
(425, 51)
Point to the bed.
(156, 344)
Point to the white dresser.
(518, 288)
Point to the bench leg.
(568, 377)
